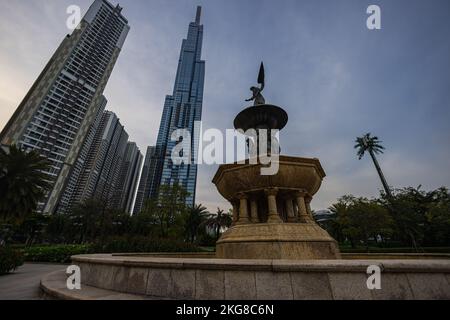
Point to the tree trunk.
(413, 241)
(352, 243)
(380, 174)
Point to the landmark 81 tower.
(181, 110)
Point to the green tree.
(360, 219)
(121, 223)
(88, 220)
(373, 146)
(219, 221)
(335, 224)
(415, 218)
(168, 210)
(56, 227)
(194, 219)
(437, 231)
(33, 228)
(368, 219)
(421, 218)
(145, 222)
(22, 182)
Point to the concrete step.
(54, 286)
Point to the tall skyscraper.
(57, 113)
(101, 170)
(107, 168)
(181, 110)
(145, 181)
(72, 191)
(128, 178)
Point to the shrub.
(136, 244)
(56, 253)
(10, 259)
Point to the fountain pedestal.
(272, 217)
(271, 214)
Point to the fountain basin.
(106, 276)
(295, 173)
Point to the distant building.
(145, 181)
(57, 113)
(102, 170)
(322, 216)
(181, 110)
(72, 191)
(128, 178)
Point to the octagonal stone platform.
(105, 276)
(277, 241)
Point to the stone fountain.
(272, 216)
(274, 249)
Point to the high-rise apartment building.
(72, 191)
(101, 170)
(106, 170)
(145, 181)
(181, 110)
(57, 113)
(128, 178)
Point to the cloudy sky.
(335, 78)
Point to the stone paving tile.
(23, 284)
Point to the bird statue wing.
(261, 76)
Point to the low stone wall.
(395, 256)
(345, 256)
(198, 278)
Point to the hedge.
(10, 259)
(140, 244)
(55, 253)
(62, 253)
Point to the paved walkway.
(23, 284)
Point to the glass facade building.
(181, 110)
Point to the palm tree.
(373, 146)
(195, 218)
(22, 182)
(219, 221)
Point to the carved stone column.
(290, 210)
(273, 217)
(254, 211)
(303, 215)
(243, 209)
(308, 200)
(235, 212)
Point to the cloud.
(336, 79)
